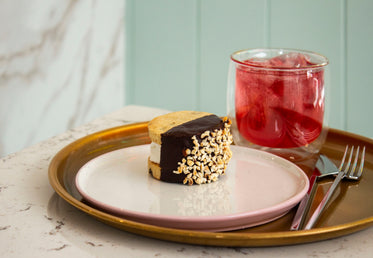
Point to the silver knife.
(325, 168)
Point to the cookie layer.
(162, 124)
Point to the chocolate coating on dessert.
(176, 140)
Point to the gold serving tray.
(351, 210)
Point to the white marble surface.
(61, 65)
(36, 222)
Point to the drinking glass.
(276, 100)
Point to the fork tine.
(362, 158)
(343, 159)
(349, 160)
(352, 170)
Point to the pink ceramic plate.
(258, 187)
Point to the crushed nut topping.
(209, 157)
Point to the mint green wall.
(177, 51)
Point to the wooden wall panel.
(227, 27)
(162, 52)
(360, 69)
(178, 51)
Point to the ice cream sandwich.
(189, 147)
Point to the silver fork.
(326, 168)
(347, 172)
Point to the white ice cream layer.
(155, 152)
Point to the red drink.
(279, 101)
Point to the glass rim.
(317, 65)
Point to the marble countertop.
(36, 222)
